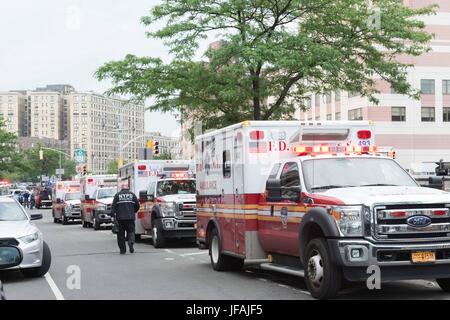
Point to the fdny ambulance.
(66, 201)
(314, 199)
(97, 194)
(166, 191)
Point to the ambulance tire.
(323, 279)
(158, 239)
(220, 261)
(64, 220)
(444, 284)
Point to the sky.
(65, 41)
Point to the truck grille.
(412, 222)
(186, 210)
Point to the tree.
(10, 159)
(163, 156)
(112, 167)
(272, 55)
(34, 167)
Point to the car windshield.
(168, 187)
(106, 193)
(11, 211)
(323, 174)
(72, 196)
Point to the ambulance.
(97, 194)
(66, 201)
(166, 191)
(314, 199)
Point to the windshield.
(106, 193)
(167, 187)
(323, 174)
(72, 196)
(10, 211)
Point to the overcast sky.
(65, 41)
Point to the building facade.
(46, 108)
(419, 130)
(106, 128)
(13, 107)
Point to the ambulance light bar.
(321, 149)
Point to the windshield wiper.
(380, 185)
(331, 187)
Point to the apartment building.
(418, 129)
(12, 110)
(46, 109)
(105, 127)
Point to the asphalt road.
(179, 272)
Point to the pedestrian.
(124, 208)
(31, 200)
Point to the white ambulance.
(316, 200)
(97, 194)
(151, 180)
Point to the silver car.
(17, 230)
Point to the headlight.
(69, 208)
(168, 209)
(102, 207)
(30, 238)
(349, 220)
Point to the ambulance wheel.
(219, 261)
(159, 241)
(64, 220)
(444, 284)
(95, 224)
(323, 279)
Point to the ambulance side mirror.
(273, 189)
(86, 197)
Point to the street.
(179, 272)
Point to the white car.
(17, 230)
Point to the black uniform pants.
(125, 226)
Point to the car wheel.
(444, 284)
(43, 269)
(323, 279)
(96, 225)
(64, 220)
(157, 235)
(219, 261)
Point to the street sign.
(60, 171)
(80, 155)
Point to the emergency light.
(323, 149)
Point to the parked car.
(17, 230)
(67, 207)
(44, 198)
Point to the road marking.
(169, 259)
(193, 253)
(54, 287)
(169, 251)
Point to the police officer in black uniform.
(124, 207)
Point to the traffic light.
(150, 144)
(155, 147)
(84, 170)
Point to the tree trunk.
(256, 95)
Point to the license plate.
(423, 257)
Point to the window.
(317, 100)
(337, 116)
(398, 114)
(427, 86)
(428, 114)
(226, 164)
(329, 116)
(446, 114)
(355, 114)
(353, 94)
(328, 98)
(446, 87)
(290, 177)
(337, 96)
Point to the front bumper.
(72, 214)
(46, 204)
(103, 216)
(176, 228)
(32, 255)
(394, 260)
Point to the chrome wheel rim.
(215, 249)
(315, 269)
